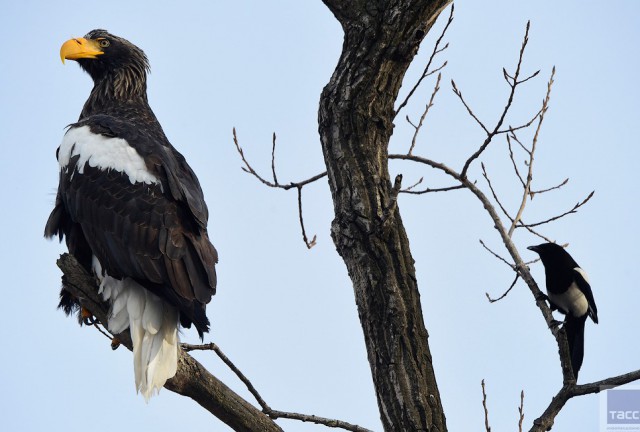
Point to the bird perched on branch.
(568, 292)
(132, 210)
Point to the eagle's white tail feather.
(119, 318)
(154, 330)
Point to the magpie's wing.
(581, 280)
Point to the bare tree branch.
(568, 212)
(430, 190)
(101, 330)
(469, 110)
(533, 75)
(311, 243)
(191, 379)
(570, 390)
(493, 300)
(274, 414)
(513, 162)
(424, 114)
(318, 420)
(527, 186)
(512, 129)
(536, 233)
(511, 266)
(493, 192)
(273, 159)
(213, 347)
(507, 107)
(517, 140)
(558, 186)
(486, 410)
(426, 72)
(275, 184)
(521, 411)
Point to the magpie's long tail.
(574, 327)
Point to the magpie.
(569, 293)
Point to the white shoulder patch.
(104, 153)
(583, 273)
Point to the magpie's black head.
(552, 253)
(103, 55)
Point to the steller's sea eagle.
(132, 211)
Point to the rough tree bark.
(355, 124)
(356, 115)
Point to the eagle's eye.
(104, 43)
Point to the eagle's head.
(101, 54)
(115, 64)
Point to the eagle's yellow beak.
(78, 48)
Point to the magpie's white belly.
(573, 301)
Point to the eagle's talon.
(120, 154)
(115, 343)
(87, 317)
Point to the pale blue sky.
(284, 314)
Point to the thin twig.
(513, 86)
(469, 110)
(430, 190)
(249, 169)
(511, 266)
(424, 114)
(274, 414)
(275, 184)
(533, 75)
(564, 182)
(568, 212)
(101, 330)
(493, 192)
(486, 411)
(527, 186)
(513, 162)
(493, 300)
(408, 189)
(213, 347)
(318, 420)
(247, 166)
(536, 233)
(511, 129)
(426, 72)
(519, 263)
(273, 160)
(521, 411)
(311, 243)
(517, 140)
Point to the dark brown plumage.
(154, 233)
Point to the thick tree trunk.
(355, 124)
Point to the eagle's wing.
(141, 210)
